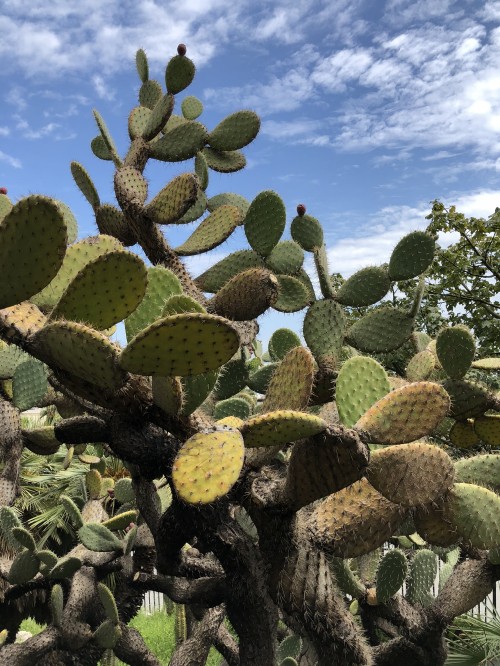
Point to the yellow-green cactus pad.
(82, 352)
(69, 221)
(280, 427)
(77, 256)
(455, 348)
(292, 382)
(100, 149)
(411, 474)
(405, 414)
(488, 429)
(230, 421)
(360, 383)
(22, 320)
(85, 184)
(5, 205)
(162, 284)
(137, 121)
(324, 326)
(174, 200)
(265, 222)
(475, 513)
(354, 521)
(492, 363)
(34, 228)
(149, 93)
(121, 521)
(281, 342)
(235, 132)
(420, 366)
(208, 465)
(463, 436)
(168, 394)
(179, 303)
(105, 291)
(232, 407)
(213, 231)
(183, 344)
(224, 162)
(191, 107)
(483, 470)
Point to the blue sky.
(369, 109)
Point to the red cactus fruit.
(181, 49)
(3, 190)
(301, 210)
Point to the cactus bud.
(3, 190)
(301, 210)
(181, 49)
(130, 527)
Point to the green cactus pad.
(324, 326)
(281, 342)
(423, 572)
(183, 344)
(232, 407)
(93, 482)
(391, 574)
(121, 520)
(420, 366)
(107, 138)
(208, 465)
(487, 428)
(293, 294)
(286, 258)
(160, 114)
(179, 74)
(29, 384)
(162, 284)
(214, 230)
(289, 648)
(411, 256)
(280, 427)
(475, 513)
(346, 579)
(216, 277)
(360, 383)
(24, 567)
(77, 256)
(100, 149)
(411, 474)
(455, 348)
(105, 291)
(232, 199)
(180, 143)
(111, 222)
(259, 380)
(353, 521)
(463, 436)
(174, 200)
(482, 470)
(85, 184)
(196, 390)
(168, 394)
(246, 295)
(9, 520)
(367, 286)
(41, 441)
(10, 358)
(69, 221)
(235, 132)
(434, 525)
(138, 121)
(34, 228)
(98, 538)
(72, 510)
(380, 330)
(196, 210)
(201, 170)
(224, 162)
(65, 567)
(24, 538)
(191, 107)
(107, 599)
(468, 399)
(307, 232)
(405, 414)
(124, 491)
(492, 364)
(82, 352)
(291, 385)
(141, 63)
(265, 222)
(232, 379)
(149, 94)
(56, 605)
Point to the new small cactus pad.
(201, 170)
(85, 184)
(191, 107)
(423, 572)
(33, 228)
(141, 62)
(291, 385)
(307, 232)
(365, 287)
(183, 344)
(411, 256)
(405, 414)
(380, 330)
(214, 230)
(411, 474)
(208, 465)
(391, 574)
(265, 222)
(360, 383)
(455, 348)
(29, 384)
(280, 427)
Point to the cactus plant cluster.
(302, 491)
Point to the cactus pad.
(196, 389)
(482, 470)
(179, 74)
(179, 303)
(208, 465)
(180, 143)
(307, 232)
(233, 200)
(213, 231)
(280, 427)
(423, 572)
(463, 436)
(487, 428)
(455, 348)
(360, 383)
(183, 344)
(380, 330)
(191, 107)
(411, 256)
(168, 394)
(468, 399)
(391, 574)
(265, 222)
(235, 132)
(174, 200)
(149, 94)
(224, 162)
(492, 364)
(29, 384)
(420, 366)
(247, 295)
(24, 567)
(365, 287)
(475, 513)
(293, 294)
(291, 385)
(232, 407)
(324, 326)
(405, 414)
(281, 342)
(286, 258)
(99, 538)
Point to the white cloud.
(29, 133)
(102, 88)
(4, 131)
(16, 97)
(11, 161)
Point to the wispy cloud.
(4, 131)
(29, 133)
(11, 161)
(103, 90)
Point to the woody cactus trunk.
(295, 491)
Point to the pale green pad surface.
(265, 222)
(235, 132)
(365, 287)
(380, 330)
(411, 256)
(324, 329)
(280, 427)
(213, 231)
(455, 348)
(360, 383)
